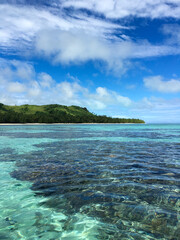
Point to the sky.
(115, 57)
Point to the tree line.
(56, 114)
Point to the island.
(55, 113)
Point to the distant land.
(55, 113)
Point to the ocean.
(90, 181)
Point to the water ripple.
(129, 189)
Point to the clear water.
(86, 182)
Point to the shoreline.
(28, 124)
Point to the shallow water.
(90, 182)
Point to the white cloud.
(102, 92)
(22, 22)
(104, 97)
(145, 50)
(34, 90)
(45, 80)
(156, 83)
(14, 69)
(77, 46)
(69, 90)
(113, 8)
(101, 100)
(157, 110)
(16, 87)
(79, 37)
(73, 78)
(124, 8)
(69, 47)
(42, 89)
(124, 100)
(24, 71)
(172, 32)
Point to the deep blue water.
(86, 182)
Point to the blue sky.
(115, 57)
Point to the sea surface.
(87, 182)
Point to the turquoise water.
(90, 182)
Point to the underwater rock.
(159, 224)
(112, 156)
(11, 223)
(8, 155)
(121, 186)
(169, 174)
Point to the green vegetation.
(54, 113)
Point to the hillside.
(54, 113)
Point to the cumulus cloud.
(13, 69)
(34, 90)
(42, 89)
(157, 110)
(158, 84)
(45, 80)
(107, 97)
(69, 90)
(16, 87)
